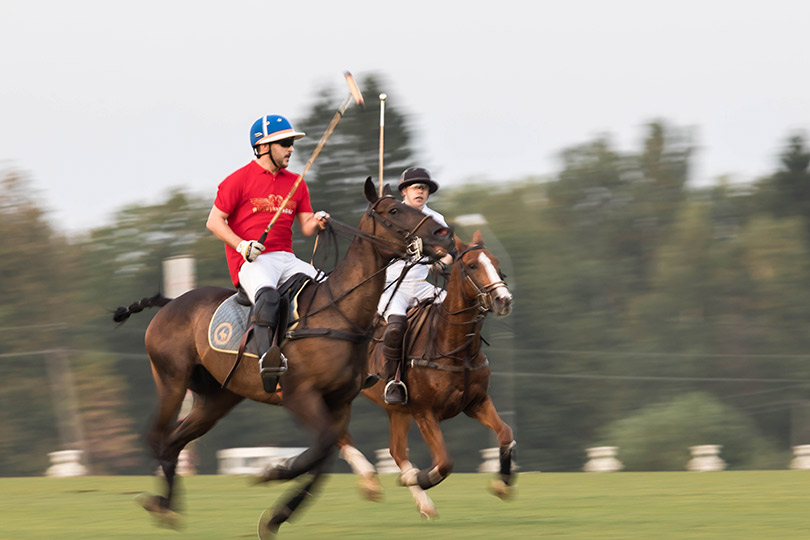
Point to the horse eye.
(472, 266)
(394, 211)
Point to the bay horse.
(447, 374)
(326, 354)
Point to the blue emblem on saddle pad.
(228, 326)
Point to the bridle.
(410, 246)
(483, 291)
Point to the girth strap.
(327, 332)
(430, 364)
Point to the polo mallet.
(354, 95)
(383, 97)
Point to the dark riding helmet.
(417, 175)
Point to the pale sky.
(107, 103)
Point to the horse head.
(404, 231)
(483, 279)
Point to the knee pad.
(395, 330)
(266, 308)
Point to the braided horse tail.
(121, 314)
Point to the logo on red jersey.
(271, 203)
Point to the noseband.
(483, 292)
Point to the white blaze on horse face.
(500, 291)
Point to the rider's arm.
(218, 224)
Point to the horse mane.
(121, 314)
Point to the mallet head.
(355, 90)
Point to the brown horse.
(447, 373)
(326, 353)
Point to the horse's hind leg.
(488, 416)
(171, 392)
(207, 409)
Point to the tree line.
(648, 314)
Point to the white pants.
(407, 295)
(271, 270)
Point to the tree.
(352, 152)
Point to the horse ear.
(478, 239)
(387, 190)
(371, 191)
(460, 246)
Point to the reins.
(482, 305)
(411, 247)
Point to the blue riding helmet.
(271, 128)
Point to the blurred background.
(659, 303)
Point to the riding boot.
(265, 319)
(395, 393)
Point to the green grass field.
(681, 505)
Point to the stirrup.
(394, 386)
(271, 373)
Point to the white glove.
(250, 249)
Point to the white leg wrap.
(408, 476)
(357, 461)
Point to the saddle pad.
(228, 325)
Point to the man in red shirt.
(246, 202)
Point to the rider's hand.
(323, 218)
(250, 249)
(440, 268)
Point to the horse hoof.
(267, 475)
(163, 516)
(428, 514)
(266, 529)
(500, 489)
(371, 488)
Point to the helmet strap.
(268, 153)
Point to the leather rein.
(410, 247)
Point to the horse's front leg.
(399, 424)
(309, 408)
(442, 462)
(486, 414)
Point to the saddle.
(229, 329)
(421, 316)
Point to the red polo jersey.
(251, 196)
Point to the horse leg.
(270, 522)
(369, 482)
(486, 414)
(399, 423)
(310, 409)
(207, 409)
(442, 462)
(171, 392)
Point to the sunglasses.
(286, 143)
